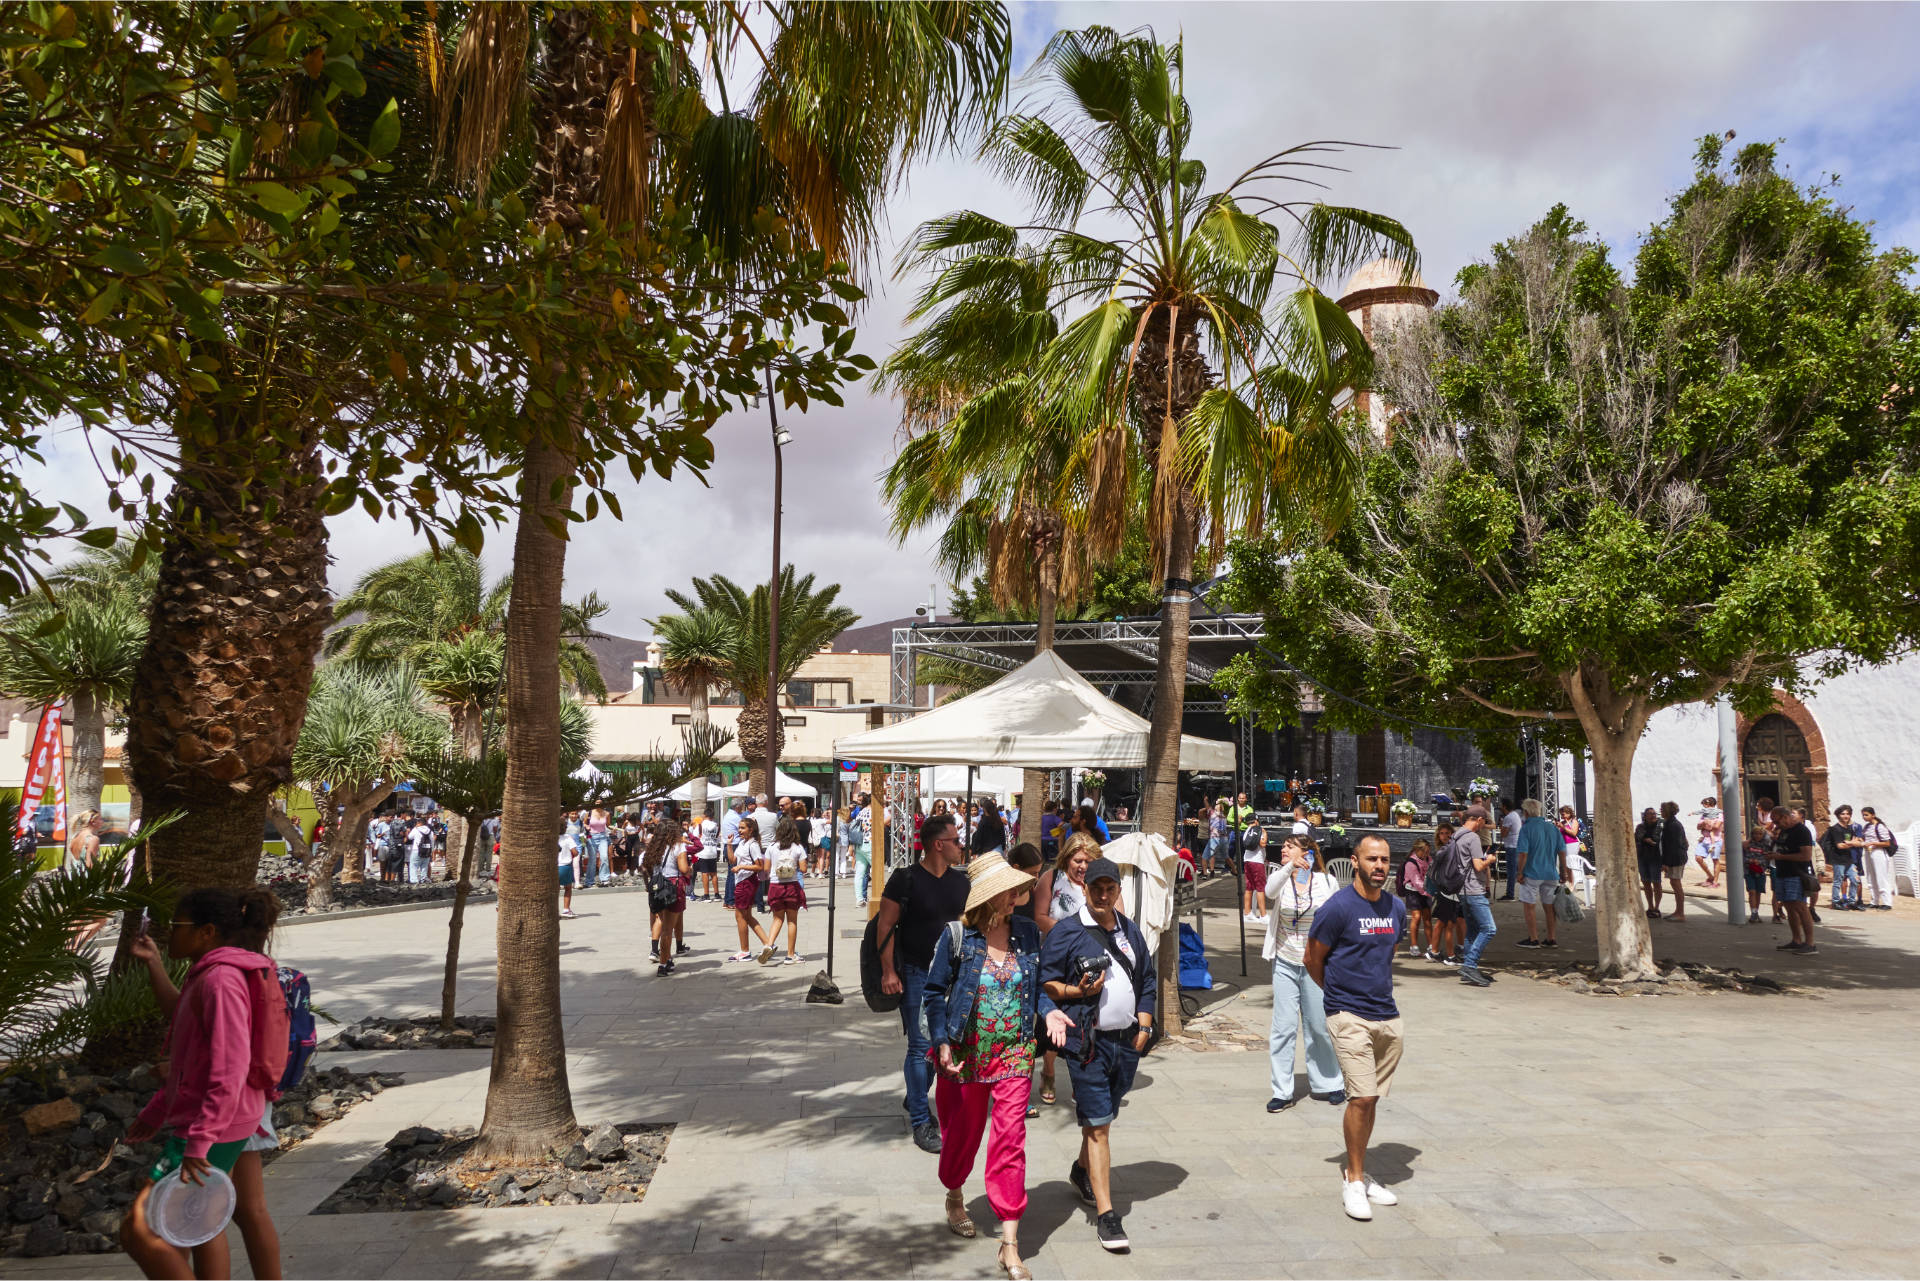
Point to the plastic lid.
(187, 1214)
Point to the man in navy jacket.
(1112, 1014)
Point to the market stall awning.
(1043, 715)
(784, 784)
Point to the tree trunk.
(1626, 944)
(700, 716)
(529, 1104)
(455, 922)
(752, 731)
(1159, 807)
(222, 684)
(1033, 782)
(136, 806)
(290, 833)
(346, 841)
(88, 765)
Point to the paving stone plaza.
(1532, 1131)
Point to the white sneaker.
(1353, 1199)
(766, 954)
(1380, 1195)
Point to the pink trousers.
(963, 1111)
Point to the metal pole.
(833, 866)
(966, 822)
(774, 727)
(1733, 812)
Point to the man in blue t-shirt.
(1350, 955)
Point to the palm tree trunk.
(1033, 782)
(88, 765)
(346, 842)
(222, 684)
(455, 923)
(529, 1104)
(699, 716)
(1159, 807)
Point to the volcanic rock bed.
(287, 878)
(1677, 978)
(53, 1133)
(428, 1169)
(469, 1032)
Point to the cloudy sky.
(1495, 113)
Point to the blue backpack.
(301, 1029)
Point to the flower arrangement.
(1483, 789)
(1093, 780)
(1405, 805)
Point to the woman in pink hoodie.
(209, 1107)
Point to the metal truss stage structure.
(1112, 654)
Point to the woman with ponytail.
(215, 1107)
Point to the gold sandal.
(1046, 1088)
(958, 1222)
(1016, 1271)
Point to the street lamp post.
(774, 727)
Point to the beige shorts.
(1532, 891)
(1368, 1053)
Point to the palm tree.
(593, 140)
(809, 621)
(88, 657)
(366, 726)
(1198, 370)
(694, 656)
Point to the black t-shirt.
(1830, 843)
(1793, 844)
(1673, 842)
(927, 902)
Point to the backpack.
(786, 862)
(1893, 842)
(662, 894)
(271, 1039)
(870, 975)
(302, 1032)
(1448, 874)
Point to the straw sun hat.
(991, 874)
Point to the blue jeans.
(862, 873)
(1480, 927)
(1297, 1002)
(913, 1021)
(1843, 873)
(418, 868)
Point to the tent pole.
(966, 815)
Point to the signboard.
(849, 771)
(46, 781)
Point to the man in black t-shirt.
(1792, 869)
(915, 906)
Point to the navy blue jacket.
(953, 985)
(1070, 939)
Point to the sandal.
(957, 1221)
(1046, 1089)
(1017, 1270)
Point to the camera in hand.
(1092, 967)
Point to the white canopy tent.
(1041, 715)
(784, 784)
(951, 780)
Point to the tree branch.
(1534, 715)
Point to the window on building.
(820, 693)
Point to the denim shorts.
(1102, 1081)
(1788, 887)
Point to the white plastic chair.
(1581, 869)
(1340, 869)
(1906, 863)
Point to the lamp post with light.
(781, 438)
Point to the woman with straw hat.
(983, 1004)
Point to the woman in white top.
(786, 895)
(749, 865)
(1295, 889)
(1061, 893)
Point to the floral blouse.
(994, 1050)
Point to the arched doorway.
(1774, 762)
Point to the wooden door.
(1775, 760)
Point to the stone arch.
(1801, 718)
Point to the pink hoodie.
(206, 1098)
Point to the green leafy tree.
(809, 621)
(1603, 498)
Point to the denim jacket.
(953, 985)
(1071, 937)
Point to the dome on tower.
(1384, 280)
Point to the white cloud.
(1497, 111)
